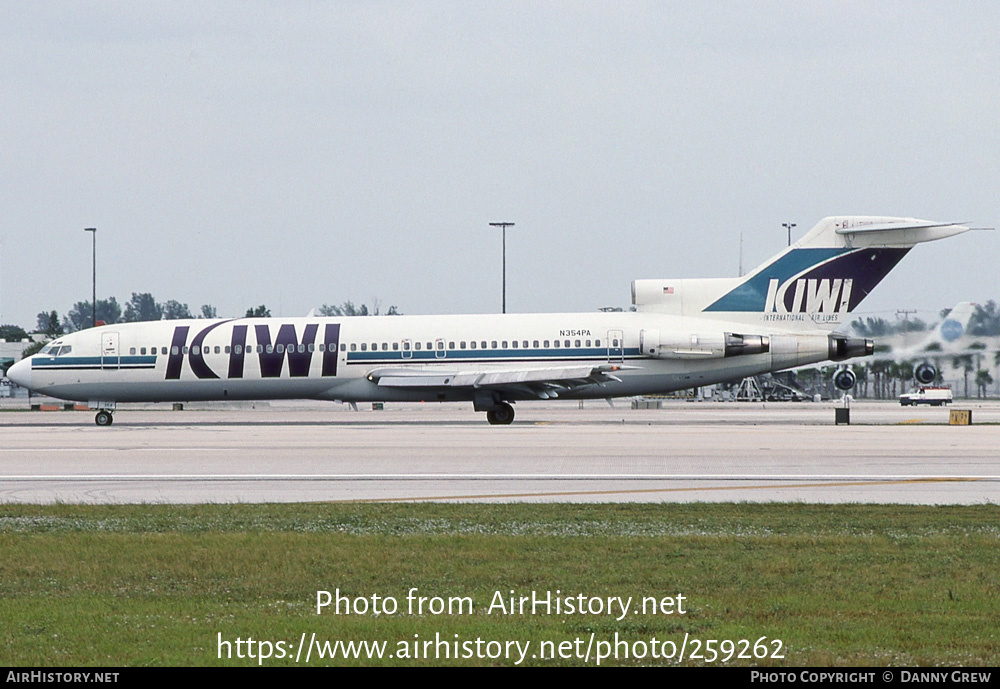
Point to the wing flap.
(562, 377)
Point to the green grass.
(838, 585)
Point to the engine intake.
(844, 379)
(925, 373)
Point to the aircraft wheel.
(104, 418)
(501, 416)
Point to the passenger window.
(525, 344)
(131, 351)
(451, 345)
(354, 347)
(217, 349)
(567, 343)
(364, 346)
(472, 345)
(174, 351)
(555, 343)
(546, 343)
(534, 344)
(588, 343)
(385, 346)
(482, 345)
(597, 343)
(163, 351)
(185, 350)
(395, 346)
(614, 342)
(430, 345)
(406, 346)
(461, 345)
(577, 343)
(416, 345)
(514, 344)
(493, 344)
(440, 345)
(142, 350)
(504, 344)
(226, 349)
(238, 349)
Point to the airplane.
(682, 334)
(948, 338)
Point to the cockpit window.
(52, 351)
(45, 350)
(66, 349)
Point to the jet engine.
(925, 373)
(701, 346)
(844, 379)
(848, 347)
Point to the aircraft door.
(407, 352)
(616, 347)
(440, 351)
(109, 351)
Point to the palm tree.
(964, 361)
(983, 379)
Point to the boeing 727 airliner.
(683, 334)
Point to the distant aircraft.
(683, 334)
(947, 339)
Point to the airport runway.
(687, 451)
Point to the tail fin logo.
(810, 295)
(951, 330)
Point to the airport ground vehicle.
(935, 397)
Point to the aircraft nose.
(20, 373)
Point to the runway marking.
(651, 490)
(827, 480)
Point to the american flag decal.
(668, 290)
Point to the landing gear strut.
(501, 415)
(104, 418)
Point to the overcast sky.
(300, 153)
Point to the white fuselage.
(332, 358)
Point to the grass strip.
(851, 585)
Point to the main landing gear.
(501, 415)
(104, 418)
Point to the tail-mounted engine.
(702, 346)
(849, 347)
(925, 373)
(844, 379)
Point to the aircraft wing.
(542, 382)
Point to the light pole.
(504, 225)
(93, 282)
(788, 226)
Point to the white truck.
(925, 395)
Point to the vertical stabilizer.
(814, 283)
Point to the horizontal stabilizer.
(884, 227)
